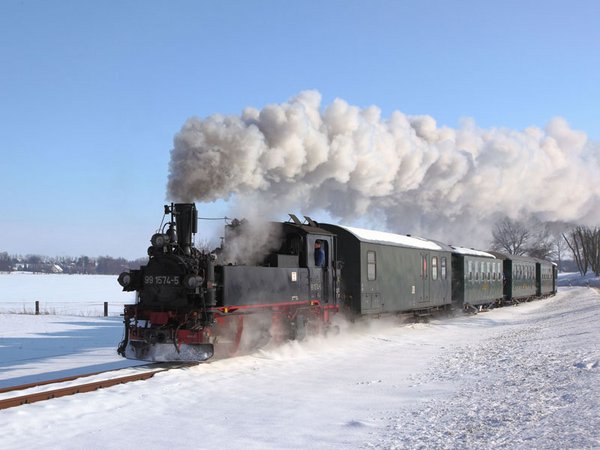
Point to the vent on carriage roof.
(295, 219)
(311, 222)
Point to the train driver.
(319, 255)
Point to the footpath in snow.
(517, 377)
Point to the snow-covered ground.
(575, 279)
(82, 295)
(517, 377)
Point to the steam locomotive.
(286, 280)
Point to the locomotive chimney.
(186, 217)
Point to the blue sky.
(92, 93)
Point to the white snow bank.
(43, 347)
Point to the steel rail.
(22, 387)
(78, 389)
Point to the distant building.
(55, 268)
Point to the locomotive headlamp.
(130, 281)
(193, 281)
(124, 279)
(160, 240)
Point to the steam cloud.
(250, 241)
(402, 173)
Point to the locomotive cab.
(297, 267)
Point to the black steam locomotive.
(286, 280)
(188, 302)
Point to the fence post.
(105, 309)
(37, 308)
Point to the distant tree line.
(102, 265)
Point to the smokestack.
(186, 219)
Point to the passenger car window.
(434, 267)
(371, 266)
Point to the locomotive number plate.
(172, 280)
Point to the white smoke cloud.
(402, 173)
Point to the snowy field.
(518, 377)
(82, 295)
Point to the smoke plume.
(401, 173)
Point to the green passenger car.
(390, 273)
(546, 273)
(520, 281)
(477, 278)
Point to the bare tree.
(591, 245)
(527, 237)
(5, 263)
(539, 243)
(510, 236)
(560, 249)
(203, 245)
(575, 240)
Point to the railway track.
(45, 390)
